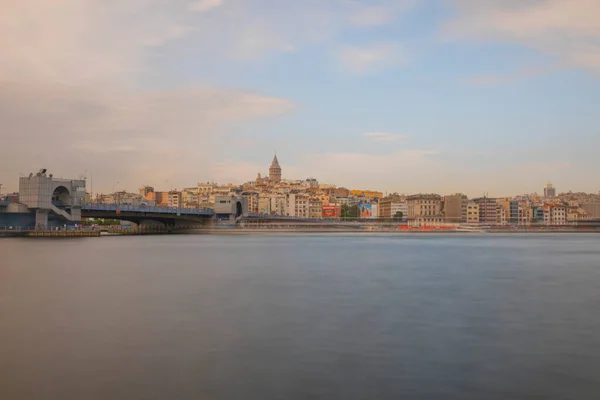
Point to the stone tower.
(275, 171)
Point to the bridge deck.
(147, 209)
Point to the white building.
(400, 206)
(205, 188)
(555, 214)
(278, 204)
(297, 205)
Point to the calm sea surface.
(301, 317)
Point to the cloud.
(385, 136)
(76, 79)
(71, 100)
(371, 58)
(512, 76)
(373, 16)
(254, 29)
(205, 5)
(113, 131)
(84, 41)
(381, 14)
(565, 29)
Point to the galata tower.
(275, 171)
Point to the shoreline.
(316, 231)
(375, 233)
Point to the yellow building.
(472, 213)
(366, 193)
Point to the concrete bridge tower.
(44, 194)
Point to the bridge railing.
(23, 228)
(16, 228)
(146, 209)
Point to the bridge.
(50, 203)
(142, 215)
(148, 215)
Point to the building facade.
(525, 214)
(297, 205)
(174, 199)
(555, 214)
(315, 208)
(144, 191)
(264, 203)
(488, 213)
(425, 210)
(455, 208)
(388, 207)
(472, 213)
(253, 201)
(278, 204)
(592, 209)
(501, 215)
(549, 191)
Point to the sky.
(407, 96)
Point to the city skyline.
(549, 189)
(410, 96)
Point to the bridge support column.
(148, 225)
(41, 218)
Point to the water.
(301, 317)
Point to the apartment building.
(315, 208)
(387, 207)
(174, 199)
(424, 210)
(455, 208)
(555, 214)
(488, 213)
(297, 205)
(253, 201)
(278, 204)
(472, 213)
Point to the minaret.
(275, 171)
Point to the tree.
(398, 216)
(350, 211)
